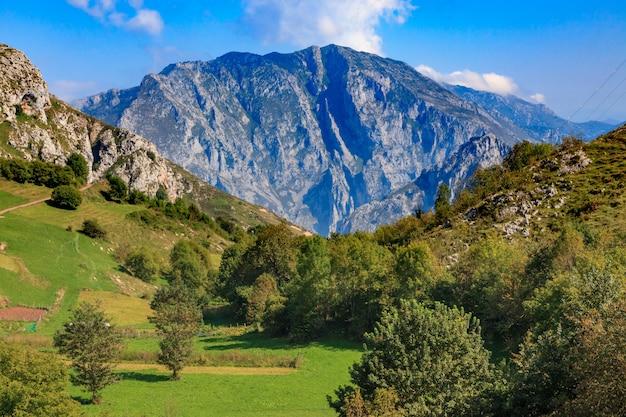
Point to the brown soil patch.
(22, 314)
(216, 370)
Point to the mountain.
(537, 121)
(322, 136)
(36, 125)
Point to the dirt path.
(32, 203)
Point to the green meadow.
(241, 391)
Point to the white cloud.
(148, 20)
(351, 23)
(538, 98)
(145, 20)
(491, 82)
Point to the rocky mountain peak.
(323, 136)
(22, 88)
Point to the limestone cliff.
(35, 124)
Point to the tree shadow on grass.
(256, 340)
(143, 377)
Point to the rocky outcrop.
(314, 135)
(22, 88)
(39, 126)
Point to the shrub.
(66, 197)
(144, 264)
(118, 189)
(92, 229)
(78, 165)
(137, 197)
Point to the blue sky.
(570, 55)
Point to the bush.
(137, 197)
(66, 197)
(143, 264)
(92, 229)
(78, 165)
(119, 190)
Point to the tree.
(432, 359)
(177, 318)
(66, 197)
(575, 367)
(34, 384)
(91, 342)
(443, 209)
(118, 189)
(78, 165)
(143, 263)
(190, 264)
(264, 302)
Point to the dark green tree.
(66, 197)
(91, 342)
(443, 209)
(177, 318)
(432, 359)
(118, 191)
(78, 165)
(34, 384)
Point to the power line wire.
(598, 89)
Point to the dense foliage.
(37, 172)
(91, 342)
(34, 384)
(524, 248)
(431, 359)
(66, 197)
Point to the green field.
(300, 393)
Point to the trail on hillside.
(32, 203)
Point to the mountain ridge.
(312, 135)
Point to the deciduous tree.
(433, 359)
(91, 342)
(177, 318)
(34, 384)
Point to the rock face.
(22, 89)
(330, 138)
(37, 125)
(313, 135)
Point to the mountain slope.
(36, 125)
(537, 121)
(311, 135)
